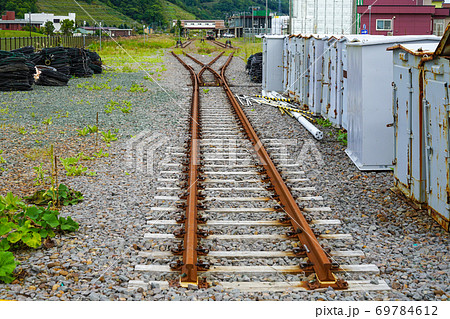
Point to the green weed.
(324, 122)
(342, 137)
(137, 88)
(41, 177)
(108, 137)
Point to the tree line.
(153, 11)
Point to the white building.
(44, 17)
(323, 16)
(280, 25)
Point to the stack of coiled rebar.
(79, 62)
(21, 68)
(55, 57)
(16, 72)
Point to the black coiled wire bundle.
(16, 72)
(254, 66)
(55, 57)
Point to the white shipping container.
(272, 69)
(316, 74)
(370, 122)
(421, 112)
(323, 16)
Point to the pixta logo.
(141, 151)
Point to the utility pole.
(290, 17)
(100, 35)
(267, 25)
(253, 20)
(29, 19)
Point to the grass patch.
(12, 34)
(245, 48)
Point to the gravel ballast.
(97, 262)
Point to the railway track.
(230, 220)
(220, 44)
(186, 44)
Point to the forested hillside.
(152, 11)
(158, 11)
(20, 6)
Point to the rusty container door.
(312, 74)
(326, 79)
(333, 112)
(272, 75)
(344, 85)
(286, 61)
(436, 133)
(403, 127)
(297, 76)
(305, 71)
(316, 84)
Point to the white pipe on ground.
(318, 134)
(310, 127)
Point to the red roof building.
(402, 17)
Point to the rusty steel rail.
(220, 44)
(319, 261)
(218, 79)
(189, 266)
(185, 44)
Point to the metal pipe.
(304, 122)
(308, 126)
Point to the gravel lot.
(97, 262)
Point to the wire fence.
(8, 44)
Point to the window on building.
(438, 27)
(55, 20)
(384, 24)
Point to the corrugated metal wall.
(323, 16)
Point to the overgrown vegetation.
(324, 122)
(28, 226)
(342, 137)
(73, 168)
